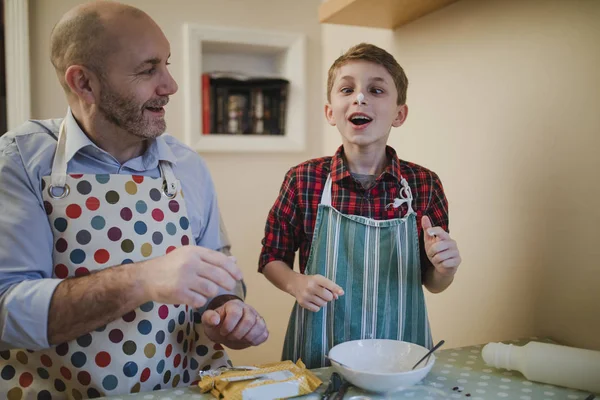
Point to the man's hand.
(440, 248)
(189, 275)
(235, 324)
(314, 291)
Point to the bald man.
(114, 268)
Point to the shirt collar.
(158, 149)
(339, 169)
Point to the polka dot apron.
(100, 221)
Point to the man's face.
(368, 122)
(136, 83)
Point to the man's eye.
(149, 71)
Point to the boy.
(358, 219)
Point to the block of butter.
(265, 382)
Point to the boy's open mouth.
(359, 119)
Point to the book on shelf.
(238, 104)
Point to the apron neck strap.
(326, 196)
(59, 166)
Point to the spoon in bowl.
(434, 348)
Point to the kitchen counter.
(458, 373)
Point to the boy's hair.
(374, 54)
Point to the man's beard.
(126, 113)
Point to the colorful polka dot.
(59, 385)
(61, 271)
(76, 394)
(98, 223)
(103, 359)
(158, 215)
(140, 227)
(102, 178)
(26, 379)
(84, 187)
(60, 224)
(85, 340)
(77, 256)
(177, 360)
(144, 327)
(48, 207)
(137, 178)
(101, 256)
(46, 360)
(22, 357)
(82, 271)
(185, 360)
(157, 238)
(83, 237)
(154, 194)
(160, 367)
(170, 249)
(110, 382)
(112, 197)
(101, 329)
(61, 245)
(8, 372)
(168, 350)
(115, 336)
(146, 250)
(43, 373)
(127, 261)
(129, 317)
(84, 378)
(217, 355)
(150, 350)
(14, 394)
(202, 350)
(76, 176)
(44, 395)
(130, 369)
(93, 393)
(174, 206)
(194, 363)
(126, 214)
(141, 207)
(186, 376)
(62, 349)
(184, 223)
(127, 246)
(78, 359)
(167, 377)
(129, 347)
(185, 240)
(179, 336)
(160, 337)
(185, 346)
(181, 317)
(136, 388)
(131, 187)
(114, 234)
(73, 211)
(171, 228)
(92, 203)
(148, 306)
(64, 371)
(145, 375)
(171, 326)
(176, 379)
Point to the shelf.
(388, 14)
(254, 52)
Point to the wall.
(503, 99)
(247, 184)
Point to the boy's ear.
(83, 83)
(329, 114)
(400, 116)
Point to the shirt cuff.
(24, 314)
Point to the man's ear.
(400, 116)
(329, 114)
(83, 83)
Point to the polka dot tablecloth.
(457, 374)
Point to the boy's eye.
(376, 91)
(346, 90)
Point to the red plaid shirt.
(291, 221)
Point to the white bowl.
(380, 365)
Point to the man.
(98, 283)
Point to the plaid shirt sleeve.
(283, 228)
(436, 210)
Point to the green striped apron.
(377, 264)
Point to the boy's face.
(366, 124)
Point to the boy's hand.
(314, 291)
(440, 248)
